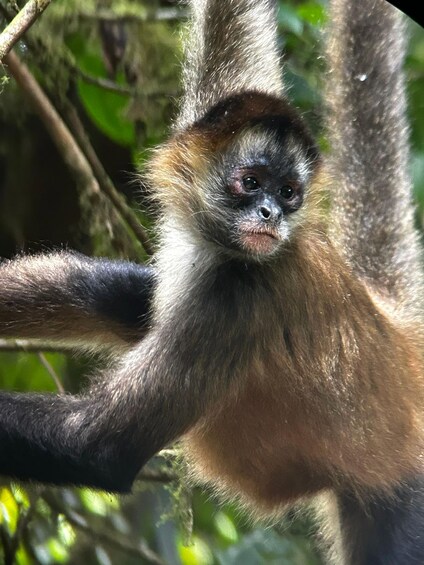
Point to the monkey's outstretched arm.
(99, 439)
(103, 437)
(76, 300)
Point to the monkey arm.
(36, 445)
(366, 50)
(95, 439)
(72, 299)
(103, 437)
(372, 218)
(226, 54)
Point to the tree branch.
(159, 15)
(73, 155)
(20, 23)
(103, 179)
(59, 132)
(30, 346)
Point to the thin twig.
(160, 15)
(71, 151)
(31, 346)
(103, 179)
(141, 550)
(20, 23)
(81, 164)
(51, 372)
(59, 132)
(104, 83)
(38, 45)
(112, 86)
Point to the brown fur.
(333, 394)
(338, 404)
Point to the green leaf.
(106, 109)
(197, 553)
(225, 527)
(313, 13)
(65, 531)
(9, 510)
(98, 502)
(22, 556)
(58, 552)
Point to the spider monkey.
(285, 350)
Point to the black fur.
(35, 443)
(392, 528)
(117, 290)
(36, 446)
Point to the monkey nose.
(269, 212)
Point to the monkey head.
(240, 175)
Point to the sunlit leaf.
(9, 509)
(197, 553)
(57, 550)
(20, 495)
(98, 502)
(65, 531)
(313, 13)
(22, 557)
(225, 527)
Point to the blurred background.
(111, 68)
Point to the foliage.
(117, 61)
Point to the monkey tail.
(232, 47)
(368, 132)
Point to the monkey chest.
(254, 448)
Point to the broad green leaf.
(106, 109)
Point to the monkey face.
(263, 200)
(253, 191)
(240, 176)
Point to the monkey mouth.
(260, 241)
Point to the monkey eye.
(287, 192)
(250, 183)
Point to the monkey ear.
(232, 47)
